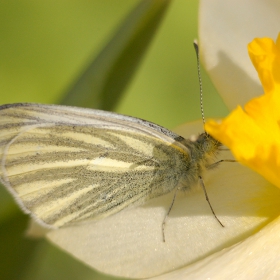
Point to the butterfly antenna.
(199, 80)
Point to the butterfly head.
(208, 144)
(205, 147)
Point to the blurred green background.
(44, 47)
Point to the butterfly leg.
(207, 199)
(213, 165)
(167, 213)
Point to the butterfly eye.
(206, 146)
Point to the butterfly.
(65, 165)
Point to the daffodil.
(253, 134)
(129, 244)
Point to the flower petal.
(225, 28)
(254, 258)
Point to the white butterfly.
(65, 164)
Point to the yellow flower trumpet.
(253, 134)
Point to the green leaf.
(103, 82)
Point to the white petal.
(225, 29)
(255, 258)
(130, 243)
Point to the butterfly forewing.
(65, 164)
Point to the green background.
(44, 46)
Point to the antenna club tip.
(195, 44)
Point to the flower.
(130, 243)
(253, 135)
(243, 201)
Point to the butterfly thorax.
(202, 154)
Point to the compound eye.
(206, 146)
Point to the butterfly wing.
(65, 164)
